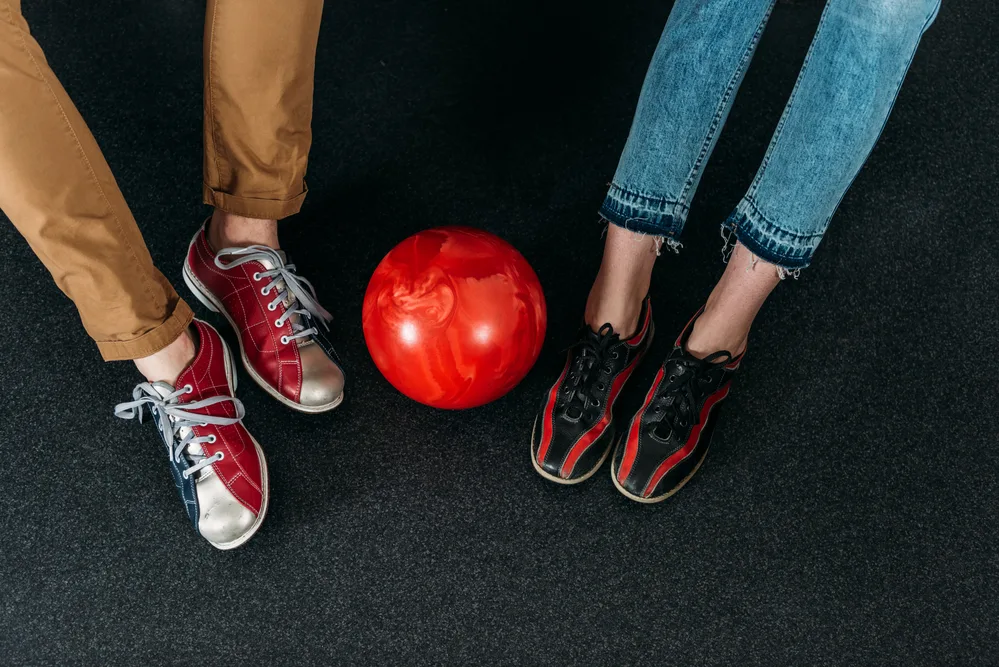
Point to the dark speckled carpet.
(847, 514)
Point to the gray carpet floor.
(846, 514)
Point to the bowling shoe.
(574, 431)
(277, 319)
(217, 466)
(668, 438)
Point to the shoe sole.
(559, 480)
(206, 298)
(230, 371)
(660, 498)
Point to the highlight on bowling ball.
(454, 317)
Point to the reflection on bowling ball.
(454, 317)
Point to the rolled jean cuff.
(250, 207)
(153, 340)
(642, 214)
(771, 243)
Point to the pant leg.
(696, 70)
(259, 60)
(59, 192)
(841, 101)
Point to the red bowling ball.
(454, 317)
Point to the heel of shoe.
(194, 285)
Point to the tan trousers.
(57, 189)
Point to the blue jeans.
(842, 98)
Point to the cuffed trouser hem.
(263, 209)
(785, 249)
(642, 214)
(153, 340)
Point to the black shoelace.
(590, 369)
(677, 404)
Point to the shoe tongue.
(605, 330)
(715, 359)
(164, 390)
(602, 339)
(269, 263)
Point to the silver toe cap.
(223, 519)
(322, 379)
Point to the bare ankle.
(167, 364)
(228, 230)
(713, 334)
(622, 281)
(619, 310)
(733, 305)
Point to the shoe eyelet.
(271, 307)
(203, 424)
(220, 455)
(277, 323)
(256, 276)
(212, 438)
(188, 389)
(264, 291)
(284, 340)
(600, 387)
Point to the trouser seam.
(675, 212)
(642, 199)
(759, 217)
(253, 207)
(778, 133)
(80, 150)
(670, 234)
(722, 105)
(898, 89)
(211, 97)
(140, 346)
(790, 103)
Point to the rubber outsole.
(559, 480)
(662, 497)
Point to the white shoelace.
(295, 292)
(177, 420)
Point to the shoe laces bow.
(676, 405)
(593, 352)
(176, 420)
